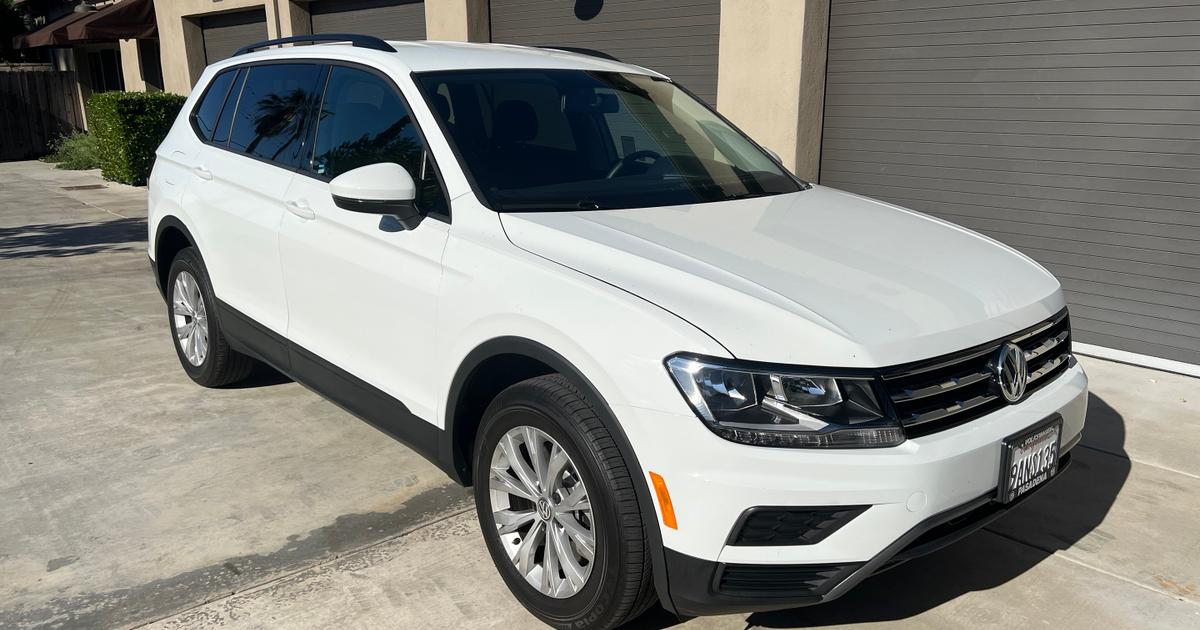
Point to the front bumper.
(922, 494)
(700, 587)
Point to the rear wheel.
(203, 350)
(557, 507)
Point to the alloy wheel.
(190, 318)
(542, 512)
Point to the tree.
(12, 23)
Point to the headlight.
(784, 408)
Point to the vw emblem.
(544, 509)
(1010, 372)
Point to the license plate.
(1029, 459)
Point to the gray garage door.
(388, 19)
(675, 37)
(1068, 129)
(226, 32)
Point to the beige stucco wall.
(131, 66)
(771, 80)
(457, 20)
(180, 38)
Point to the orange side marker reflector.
(664, 500)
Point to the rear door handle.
(202, 173)
(300, 209)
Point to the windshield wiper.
(550, 207)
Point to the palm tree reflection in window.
(278, 118)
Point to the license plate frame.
(1014, 484)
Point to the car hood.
(818, 277)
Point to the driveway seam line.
(1057, 554)
(259, 586)
(1141, 462)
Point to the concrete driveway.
(130, 496)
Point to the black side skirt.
(338, 386)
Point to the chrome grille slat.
(1046, 346)
(957, 408)
(1047, 368)
(942, 387)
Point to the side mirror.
(385, 188)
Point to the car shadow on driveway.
(56, 240)
(1056, 518)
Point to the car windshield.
(545, 140)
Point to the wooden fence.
(37, 105)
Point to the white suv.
(669, 368)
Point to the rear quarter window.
(204, 117)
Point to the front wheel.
(203, 350)
(558, 510)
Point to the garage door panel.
(1181, 123)
(676, 37)
(990, 190)
(838, 148)
(386, 19)
(1168, 277)
(846, 38)
(1097, 88)
(1134, 146)
(908, 24)
(1020, 62)
(225, 33)
(1016, 163)
(1173, 108)
(1149, 220)
(876, 11)
(906, 120)
(1019, 75)
(1187, 233)
(1131, 345)
(981, 50)
(1130, 327)
(1017, 178)
(515, 10)
(1183, 309)
(1177, 293)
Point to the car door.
(242, 175)
(362, 293)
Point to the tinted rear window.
(270, 118)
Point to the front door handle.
(301, 209)
(202, 173)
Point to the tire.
(549, 411)
(207, 358)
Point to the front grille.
(933, 395)
(782, 580)
(783, 526)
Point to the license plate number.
(1029, 459)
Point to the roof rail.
(359, 41)
(582, 51)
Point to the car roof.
(426, 56)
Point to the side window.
(269, 122)
(225, 121)
(204, 117)
(363, 121)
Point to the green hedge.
(128, 127)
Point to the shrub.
(76, 151)
(128, 127)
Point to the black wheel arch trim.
(166, 223)
(458, 462)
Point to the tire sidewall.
(189, 260)
(597, 595)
